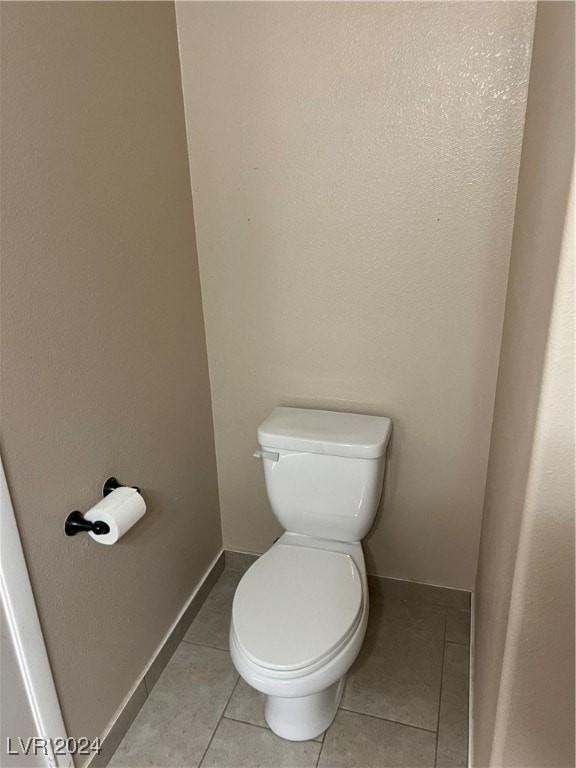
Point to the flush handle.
(267, 455)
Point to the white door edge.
(24, 627)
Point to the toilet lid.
(296, 605)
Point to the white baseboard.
(137, 695)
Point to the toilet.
(300, 611)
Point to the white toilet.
(300, 612)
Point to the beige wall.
(104, 365)
(354, 170)
(524, 660)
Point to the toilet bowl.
(300, 611)
(298, 646)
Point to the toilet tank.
(324, 470)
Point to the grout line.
(245, 722)
(321, 747)
(441, 682)
(219, 721)
(387, 720)
(205, 645)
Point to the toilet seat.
(297, 606)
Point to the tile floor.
(405, 702)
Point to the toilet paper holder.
(76, 522)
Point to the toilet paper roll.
(120, 509)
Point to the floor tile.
(458, 626)
(390, 611)
(453, 725)
(212, 624)
(358, 741)
(419, 593)
(397, 674)
(239, 745)
(177, 721)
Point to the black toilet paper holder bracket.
(76, 522)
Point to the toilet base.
(305, 717)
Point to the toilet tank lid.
(354, 435)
